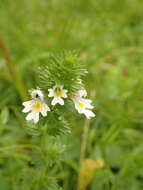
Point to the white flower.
(36, 106)
(37, 94)
(58, 93)
(83, 105)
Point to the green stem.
(84, 140)
(15, 77)
(85, 136)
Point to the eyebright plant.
(60, 89)
(60, 77)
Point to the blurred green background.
(108, 34)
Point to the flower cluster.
(37, 105)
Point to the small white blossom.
(83, 105)
(58, 93)
(36, 106)
(37, 94)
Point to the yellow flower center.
(57, 94)
(80, 105)
(36, 107)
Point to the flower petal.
(60, 101)
(88, 113)
(30, 116)
(44, 110)
(51, 92)
(26, 109)
(57, 101)
(82, 93)
(87, 103)
(54, 101)
(64, 93)
(28, 103)
(36, 117)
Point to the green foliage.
(108, 36)
(65, 69)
